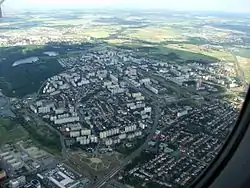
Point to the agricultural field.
(217, 52)
(118, 41)
(174, 55)
(65, 22)
(96, 32)
(153, 34)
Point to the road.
(156, 105)
(133, 155)
(238, 68)
(240, 71)
(137, 152)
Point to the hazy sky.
(203, 5)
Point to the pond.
(51, 53)
(25, 61)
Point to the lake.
(25, 61)
(51, 53)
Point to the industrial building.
(62, 177)
(18, 182)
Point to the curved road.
(133, 155)
(137, 152)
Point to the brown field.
(93, 165)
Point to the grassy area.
(165, 53)
(41, 134)
(100, 31)
(96, 33)
(244, 52)
(218, 53)
(153, 34)
(3, 135)
(11, 132)
(244, 64)
(117, 41)
(66, 22)
(28, 48)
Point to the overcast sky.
(202, 5)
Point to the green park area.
(11, 132)
(41, 134)
(25, 79)
(14, 130)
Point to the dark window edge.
(210, 174)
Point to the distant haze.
(196, 5)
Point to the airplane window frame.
(214, 170)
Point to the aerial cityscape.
(117, 98)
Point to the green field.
(153, 34)
(244, 64)
(169, 55)
(243, 57)
(11, 132)
(96, 32)
(41, 134)
(244, 52)
(218, 53)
